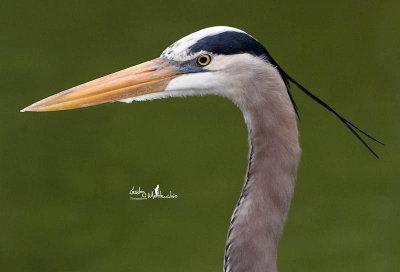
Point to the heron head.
(215, 60)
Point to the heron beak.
(149, 77)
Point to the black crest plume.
(287, 79)
(353, 128)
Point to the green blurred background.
(65, 176)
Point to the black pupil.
(203, 60)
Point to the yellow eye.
(203, 60)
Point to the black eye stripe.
(228, 43)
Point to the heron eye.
(203, 60)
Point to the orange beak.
(149, 77)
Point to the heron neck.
(261, 211)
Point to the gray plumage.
(264, 203)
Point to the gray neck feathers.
(261, 211)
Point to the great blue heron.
(228, 62)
